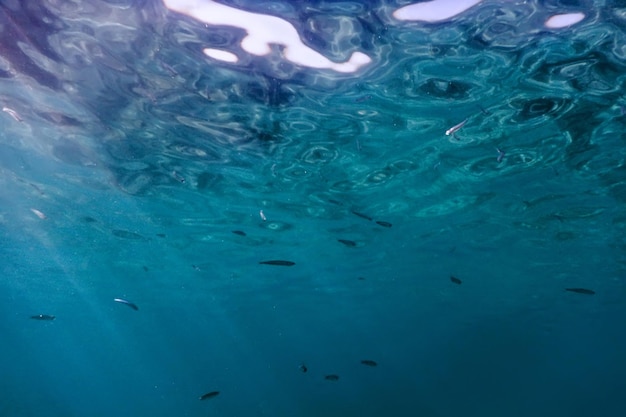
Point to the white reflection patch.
(221, 55)
(434, 11)
(263, 31)
(564, 20)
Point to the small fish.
(13, 114)
(348, 243)
(262, 215)
(363, 98)
(456, 128)
(368, 362)
(208, 395)
(483, 110)
(455, 280)
(383, 223)
(278, 262)
(332, 377)
(239, 232)
(303, 368)
(178, 177)
(169, 69)
(581, 291)
(128, 303)
(501, 154)
(43, 317)
(361, 215)
(39, 214)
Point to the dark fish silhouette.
(581, 291)
(208, 395)
(368, 362)
(455, 280)
(383, 223)
(128, 303)
(303, 368)
(361, 215)
(332, 377)
(239, 232)
(278, 262)
(348, 243)
(43, 317)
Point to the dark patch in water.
(125, 234)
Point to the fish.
(262, 215)
(383, 223)
(455, 280)
(456, 128)
(43, 317)
(12, 113)
(208, 395)
(303, 368)
(369, 362)
(128, 303)
(332, 377)
(278, 262)
(39, 214)
(239, 232)
(348, 243)
(501, 154)
(361, 215)
(484, 111)
(178, 177)
(363, 98)
(581, 291)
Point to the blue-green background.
(117, 103)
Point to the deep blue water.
(136, 167)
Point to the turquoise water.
(136, 167)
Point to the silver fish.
(128, 303)
(456, 128)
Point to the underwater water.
(312, 208)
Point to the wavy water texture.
(136, 165)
